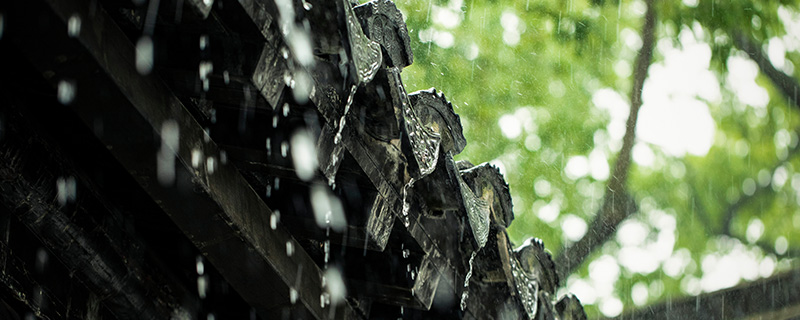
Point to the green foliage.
(539, 63)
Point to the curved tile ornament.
(366, 54)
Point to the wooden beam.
(208, 200)
(38, 198)
(18, 280)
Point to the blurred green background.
(543, 87)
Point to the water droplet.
(211, 165)
(66, 91)
(289, 248)
(307, 5)
(197, 155)
(203, 42)
(284, 149)
(74, 26)
(165, 164)
(336, 289)
(144, 55)
(226, 77)
(202, 286)
(285, 109)
(66, 190)
(269, 146)
(277, 183)
(275, 121)
(205, 68)
(41, 259)
(274, 219)
(199, 266)
(327, 248)
(304, 154)
(328, 209)
(302, 86)
(292, 295)
(406, 253)
(208, 3)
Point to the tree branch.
(731, 211)
(785, 83)
(617, 204)
(698, 206)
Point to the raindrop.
(274, 218)
(165, 165)
(304, 154)
(74, 26)
(2, 25)
(289, 248)
(211, 165)
(275, 121)
(226, 77)
(328, 210)
(199, 266)
(211, 316)
(285, 109)
(203, 42)
(301, 88)
(277, 183)
(307, 5)
(202, 286)
(326, 246)
(208, 3)
(66, 189)
(292, 295)
(284, 149)
(269, 146)
(335, 286)
(205, 68)
(41, 259)
(66, 91)
(269, 191)
(144, 55)
(406, 253)
(196, 156)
